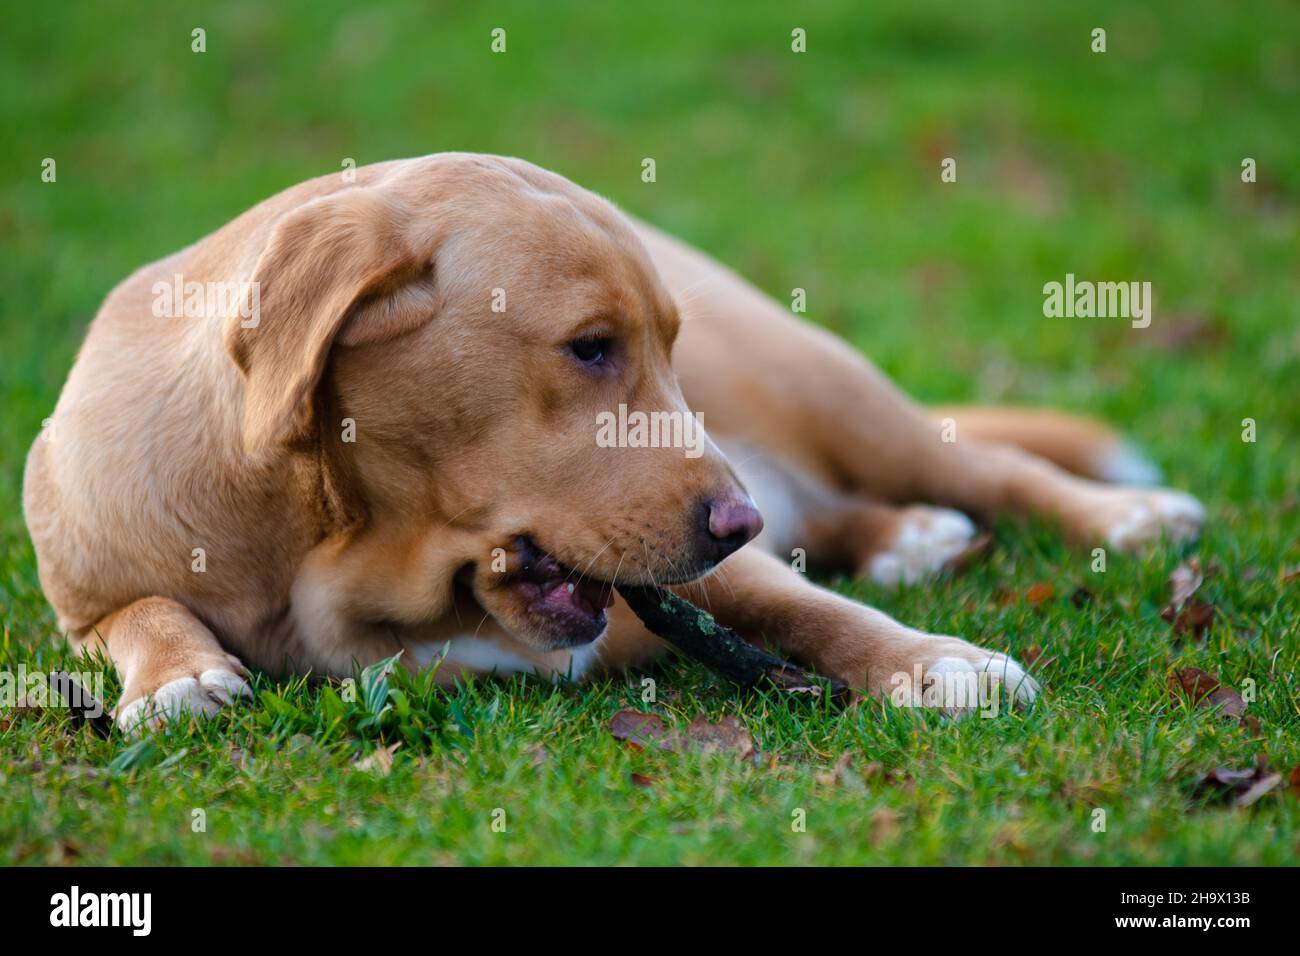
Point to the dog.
(387, 442)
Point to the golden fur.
(473, 428)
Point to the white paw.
(199, 697)
(926, 540)
(1141, 517)
(1123, 464)
(959, 686)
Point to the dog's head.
(499, 344)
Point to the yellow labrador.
(409, 413)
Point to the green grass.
(818, 171)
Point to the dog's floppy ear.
(338, 269)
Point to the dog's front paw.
(923, 543)
(956, 678)
(199, 694)
(1129, 519)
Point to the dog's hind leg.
(1080, 445)
(168, 661)
(893, 545)
(806, 397)
(803, 515)
(758, 374)
(988, 480)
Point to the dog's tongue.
(587, 596)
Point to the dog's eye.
(592, 350)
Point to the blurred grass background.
(818, 170)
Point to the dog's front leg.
(766, 600)
(169, 662)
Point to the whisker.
(583, 574)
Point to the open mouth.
(564, 604)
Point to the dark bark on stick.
(81, 702)
(721, 649)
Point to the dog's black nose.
(727, 523)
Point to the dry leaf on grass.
(1040, 592)
(847, 774)
(1194, 619)
(379, 761)
(1238, 788)
(1205, 691)
(842, 773)
(727, 734)
(1187, 613)
(647, 730)
(640, 730)
(1184, 581)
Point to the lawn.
(819, 171)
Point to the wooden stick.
(698, 635)
(83, 704)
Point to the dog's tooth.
(570, 586)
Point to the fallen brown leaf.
(379, 761)
(1188, 614)
(1205, 691)
(727, 734)
(1039, 593)
(1183, 582)
(1239, 788)
(843, 774)
(1193, 682)
(643, 781)
(1195, 618)
(640, 730)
